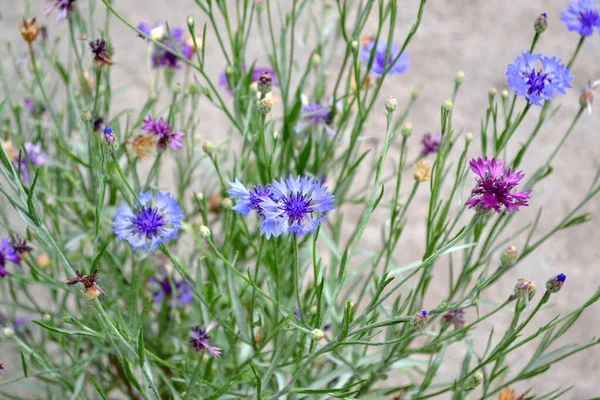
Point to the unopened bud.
(525, 288)
(407, 129)
(415, 94)
(391, 104)
(460, 77)
(47, 318)
(586, 99)
(541, 23)
(504, 94)
(204, 231)
(265, 83)
(264, 106)
(110, 139)
(207, 147)
(86, 115)
(157, 33)
(474, 381)
(191, 22)
(555, 283)
(492, 92)
(447, 105)
(226, 203)
(199, 196)
(468, 137)
(43, 260)
(419, 320)
(316, 59)
(354, 44)
(509, 257)
(177, 88)
(317, 334)
(8, 332)
(275, 135)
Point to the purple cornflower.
(161, 57)
(315, 115)
(256, 73)
(298, 205)
(200, 341)
(65, 7)
(582, 16)
(537, 85)
(147, 226)
(430, 143)
(165, 134)
(7, 253)
(1, 367)
(36, 156)
(456, 317)
(380, 53)
(180, 292)
(494, 186)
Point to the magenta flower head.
(7, 253)
(179, 293)
(148, 224)
(315, 115)
(582, 16)
(160, 57)
(298, 205)
(256, 74)
(65, 8)
(1, 367)
(161, 129)
(379, 54)
(494, 185)
(541, 84)
(200, 341)
(431, 143)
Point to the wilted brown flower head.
(214, 203)
(29, 29)
(101, 57)
(143, 145)
(21, 247)
(91, 290)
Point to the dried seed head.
(422, 171)
(29, 29)
(143, 145)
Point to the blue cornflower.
(298, 205)
(179, 293)
(537, 85)
(379, 64)
(582, 16)
(7, 253)
(148, 226)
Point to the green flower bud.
(541, 23)
(317, 334)
(204, 231)
(509, 257)
(555, 283)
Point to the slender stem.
(576, 52)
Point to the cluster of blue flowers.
(293, 205)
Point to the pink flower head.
(163, 131)
(494, 185)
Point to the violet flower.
(7, 253)
(431, 143)
(65, 7)
(161, 57)
(256, 74)
(200, 341)
(180, 293)
(315, 115)
(165, 134)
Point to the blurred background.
(478, 37)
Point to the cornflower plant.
(139, 261)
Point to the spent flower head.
(582, 16)
(200, 341)
(21, 246)
(29, 29)
(100, 51)
(494, 187)
(91, 289)
(154, 220)
(550, 78)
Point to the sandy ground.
(480, 38)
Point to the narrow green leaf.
(24, 363)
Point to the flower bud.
(8, 332)
(265, 105)
(586, 99)
(415, 94)
(554, 284)
(468, 137)
(226, 203)
(316, 59)
(419, 320)
(29, 29)
(504, 94)
(110, 139)
(492, 92)
(207, 147)
(422, 171)
(391, 104)
(47, 318)
(199, 196)
(525, 288)
(460, 77)
(204, 231)
(474, 381)
(541, 23)
(317, 334)
(275, 135)
(265, 83)
(455, 317)
(43, 260)
(191, 22)
(447, 105)
(86, 115)
(509, 257)
(407, 129)
(157, 33)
